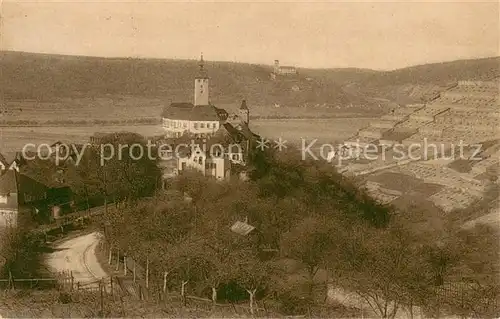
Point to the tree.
(474, 278)
(117, 170)
(254, 275)
(136, 175)
(383, 268)
(310, 243)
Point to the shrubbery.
(306, 212)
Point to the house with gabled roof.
(11, 161)
(9, 203)
(31, 185)
(212, 165)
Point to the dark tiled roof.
(239, 135)
(8, 182)
(189, 112)
(44, 172)
(221, 113)
(245, 130)
(233, 132)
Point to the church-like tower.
(244, 112)
(201, 85)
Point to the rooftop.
(8, 157)
(8, 182)
(189, 112)
(242, 228)
(44, 172)
(244, 105)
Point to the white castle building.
(200, 119)
(283, 70)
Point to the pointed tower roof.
(202, 73)
(244, 105)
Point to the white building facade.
(199, 119)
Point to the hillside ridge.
(44, 76)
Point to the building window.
(185, 125)
(235, 157)
(195, 125)
(200, 160)
(183, 166)
(202, 125)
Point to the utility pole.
(101, 288)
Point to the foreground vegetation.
(305, 214)
(313, 229)
(60, 304)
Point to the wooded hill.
(46, 77)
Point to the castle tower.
(244, 112)
(276, 67)
(201, 85)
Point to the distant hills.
(410, 84)
(41, 76)
(45, 77)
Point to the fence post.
(72, 280)
(134, 271)
(124, 265)
(147, 272)
(111, 284)
(165, 281)
(110, 254)
(183, 292)
(102, 298)
(117, 260)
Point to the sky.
(376, 35)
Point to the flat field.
(292, 130)
(137, 110)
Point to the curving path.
(78, 256)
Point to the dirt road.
(78, 256)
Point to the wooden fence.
(63, 281)
(134, 279)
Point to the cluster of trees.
(122, 178)
(114, 174)
(308, 220)
(20, 254)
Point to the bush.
(291, 304)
